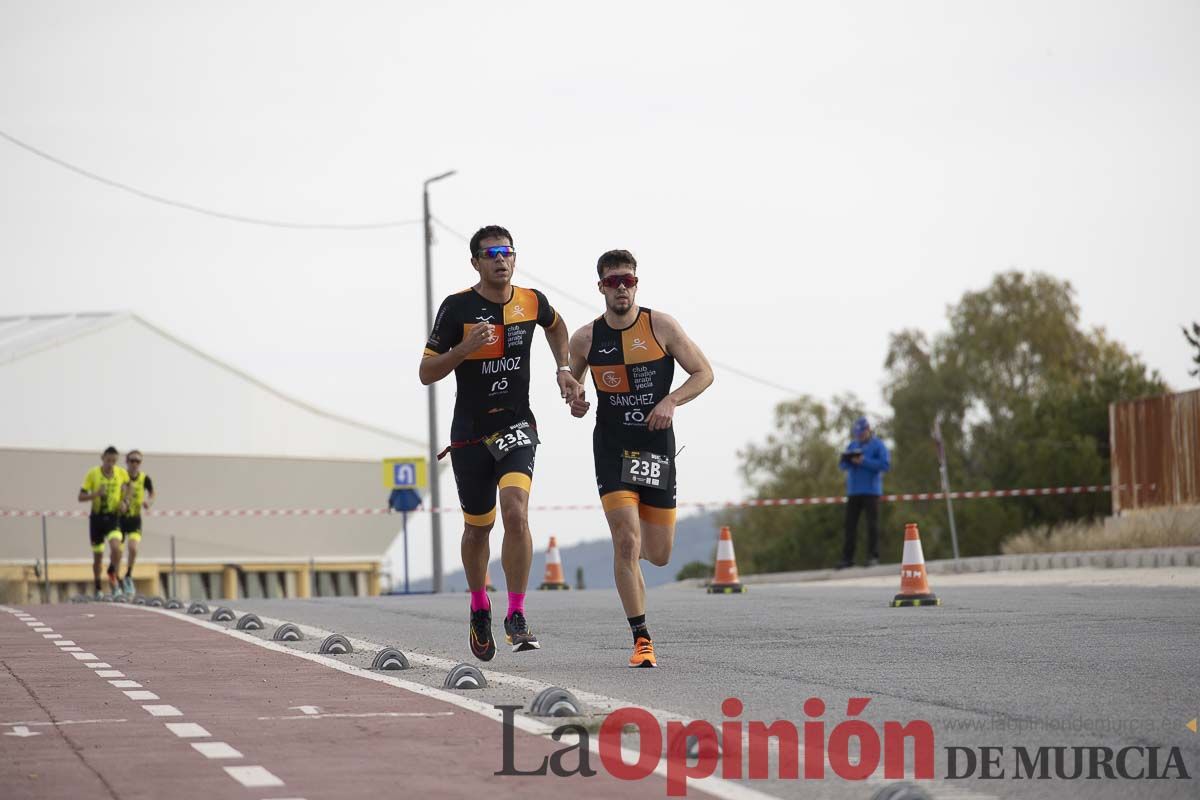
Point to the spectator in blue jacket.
(864, 461)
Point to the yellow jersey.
(137, 493)
(97, 481)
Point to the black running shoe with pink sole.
(483, 646)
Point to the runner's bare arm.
(435, 366)
(556, 337)
(685, 352)
(581, 343)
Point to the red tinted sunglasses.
(628, 280)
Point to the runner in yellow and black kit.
(484, 335)
(631, 352)
(139, 496)
(104, 487)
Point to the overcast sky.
(797, 180)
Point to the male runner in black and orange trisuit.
(484, 335)
(632, 352)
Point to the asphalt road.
(1001, 666)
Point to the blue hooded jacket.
(867, 477)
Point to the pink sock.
(480, 599)
(516, 602)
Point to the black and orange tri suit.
(632, 372)
(493, 393)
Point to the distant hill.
(695, 540)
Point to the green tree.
(800, 459)
(1023, 391)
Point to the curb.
(1150, 557)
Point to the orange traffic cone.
(914, 584)
(725, 579)
(553, 579)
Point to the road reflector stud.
(106, 598)
(389, 658)
(174, 604)
(900, 791)
(287, 632)
(138, 600)
(81, 598)
(336, 645)
(249, 622)
(156, 601)
(555, 702)
(121, 598)
(223, 614)
(197, 608)
(465, 676)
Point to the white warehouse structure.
(214, 438)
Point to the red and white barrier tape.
(783, 501)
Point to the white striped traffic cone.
(914, 583)
(553, 579)
(725, 579)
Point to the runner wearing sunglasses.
(139, 496)
(484, 336)
(632, 352)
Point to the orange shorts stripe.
(480, 520)
(655, 515)
(619, 499)
(517, 479)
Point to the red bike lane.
(102, 701)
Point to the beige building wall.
(254, 555)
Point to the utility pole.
(937, 437)
(435, 494)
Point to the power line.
(590, 306)
(270, 223)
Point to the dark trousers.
(855, 505)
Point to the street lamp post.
(435, 494)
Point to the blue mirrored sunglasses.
(500, 251)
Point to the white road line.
(163, 711)
(253, 777)
(140, 694)
(52, 636)
(56, 723)
(98, 665)
(84, 656)
(71, 650)
(64, 643)
(216, 750)
(43, 630)
(109, 673)
(34, 622)
(126, 684)
(187, 730)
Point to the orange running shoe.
(643, 653)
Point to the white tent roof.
(65, 387)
